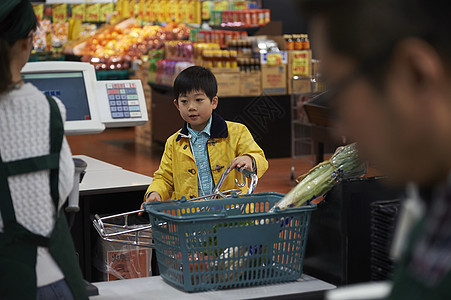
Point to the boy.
(195, 156)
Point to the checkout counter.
(91, 107)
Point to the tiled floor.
(117, 146)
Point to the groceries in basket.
(344, 164)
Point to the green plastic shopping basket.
(229, 243)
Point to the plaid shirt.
(198, 141)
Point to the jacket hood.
(218, 128)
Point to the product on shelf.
(179, 50)
(289, 42)
(297, 41)
(219, 59)
(245, 18)
(249, 64)
(221, 37)
(265, 45)
(243, 47)
(167, 70)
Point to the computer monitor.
(74, 83)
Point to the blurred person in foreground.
(388, 69)
(37, 255)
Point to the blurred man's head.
(388, 64)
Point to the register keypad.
(123, 100)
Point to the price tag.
(150, 11)
(154, 11)
(140, 10)
(161, 10)
(206, 10)
(106, 9)
(124, 8)
(39, 11)
(93, 12)
(221, 5)
(170, 11)
(190, 11)
(78, 11)
(240, 5)
(59, 13)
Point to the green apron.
(18, 246)
(407, 286)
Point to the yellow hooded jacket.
(177, 174)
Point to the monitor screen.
(69, 87)
(74, 83)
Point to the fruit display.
(114, 47)
(50, 35)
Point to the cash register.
(91, 105)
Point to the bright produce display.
(344, 164)
(115, 47)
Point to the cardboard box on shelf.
(250, 83)
(274, 79)
(228, 81)
(143, 133)
(299, 64)
(300, 85)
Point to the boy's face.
(196, 108)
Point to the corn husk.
(344, 164)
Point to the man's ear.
(419, 68)
(176, 103)
(214, 102)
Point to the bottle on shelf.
(298, 44)
(289, 41)
(233, 59)
(306, 42)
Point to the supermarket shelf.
(250, 30)
(272, 28)
(75, 1)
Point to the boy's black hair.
(195, 78)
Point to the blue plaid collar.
(195, 133)
(218, 128)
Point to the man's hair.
(368, 30)
(195, 78)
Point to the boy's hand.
(244, 161)
(153, 196)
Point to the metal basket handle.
(252, 178)
(142, 235)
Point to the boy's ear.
(176, 104)
(214, 102)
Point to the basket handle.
(252, 177)
(163, 216)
